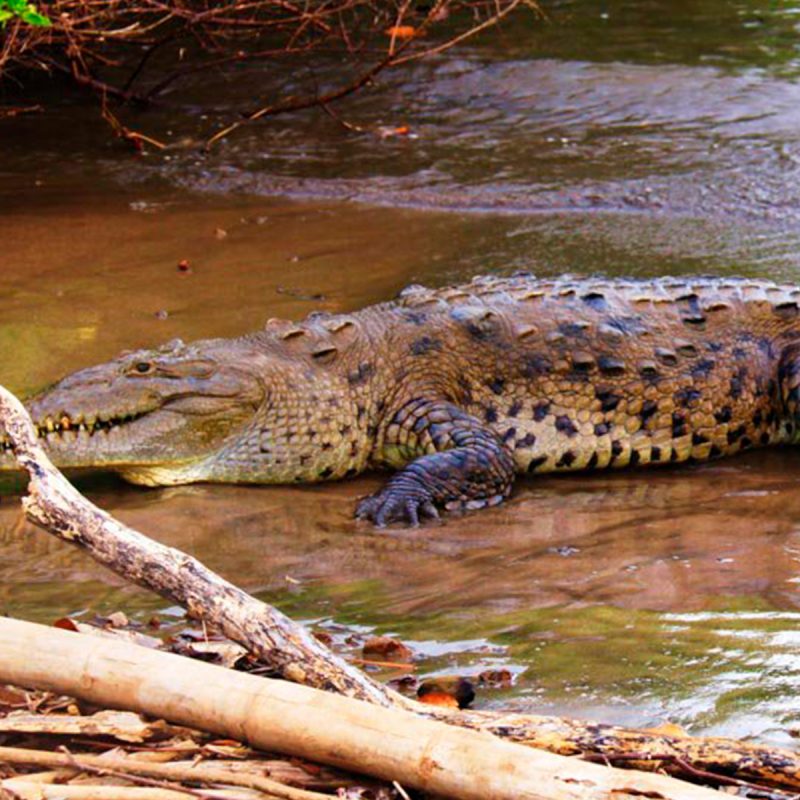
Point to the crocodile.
(458, 389)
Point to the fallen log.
(55, 505)
(275, 715)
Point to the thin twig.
(687, 768)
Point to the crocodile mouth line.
(51, 427)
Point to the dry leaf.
(402, 31)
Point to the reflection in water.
(629, 138)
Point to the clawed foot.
(395, 505)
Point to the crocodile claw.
(393, 504)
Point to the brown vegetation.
(139, 52)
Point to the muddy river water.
(637, 138)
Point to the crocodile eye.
(143, 367)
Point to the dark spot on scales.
(758, 419)
(723, 415)
(583, 362)
(529, 440)
(736, 434)
(634, 458)
(425, 344)
(601, 429)
(572, 329)
(611, 366)
(358, 376)
(736, 387)
(491, 414)
(703, 368)
(685, 397)
(592, 462)
(565, 425)
(697, 320)
(536, 462)
(787, 309)
(567, 459)
(655, 453)
(616, 450)
(608, 400)
(648, 371)
(698, 438)
(595, 300)
(667, 357)
(509, 435)
(515, 408)
(764, 438)
(629, 326)
(326, 473)
(479, 332)
(497, 385)
(414, 317)
(648, 409)
(678, 425)
(540, 411)
(714, 452)
(536, 365)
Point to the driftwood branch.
(288, 648)
(278, 716)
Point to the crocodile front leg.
(465, 465)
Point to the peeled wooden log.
(286, 646)
(275, 715)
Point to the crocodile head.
(156, 416)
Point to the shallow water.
(628, 138)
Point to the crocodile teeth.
(76, 425)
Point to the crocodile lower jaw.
(165, 474)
